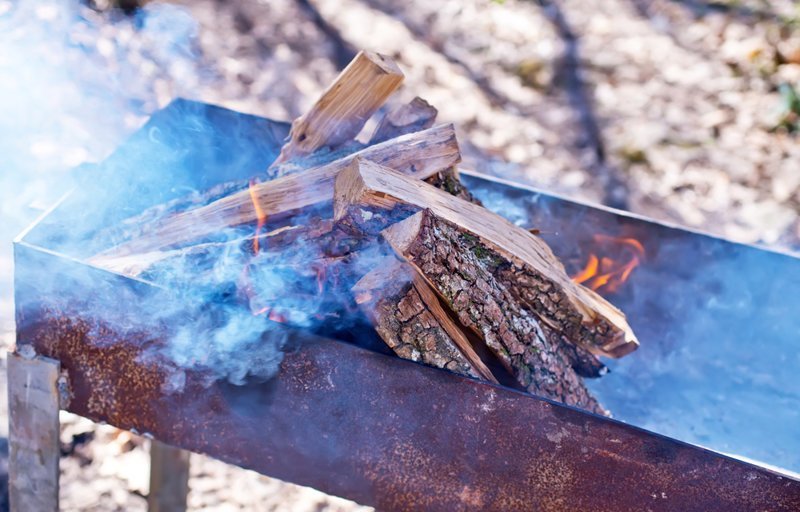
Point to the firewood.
(582, 361)
(522, 262)
(449, 181)
(407, 314)
(340, 113)
(465, 279)
(319, 231)
(420, 155)
(411, 117)
(414, 116)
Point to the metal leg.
(33, 402)
(169, 478)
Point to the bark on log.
(524, 263)
(419, 155)
(582, 361)
(407, 315)
(414, 116)
(449, 181)
(446, 256)
(340, 113)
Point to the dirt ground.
(678, 110)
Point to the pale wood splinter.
(345, 106)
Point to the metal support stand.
(169, 478)
(33, 433)
(34, 448)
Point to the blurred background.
(686, 111)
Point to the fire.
(606, 273)
(260, 215)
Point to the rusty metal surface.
(401, 436)
(717, 322)
(350, 422)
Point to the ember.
(608, 272)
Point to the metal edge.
(624, 213)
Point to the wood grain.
(533, 270)
(340, 113)
(418, 155)
(408, 316)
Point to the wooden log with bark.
(465, 278)
(345, 106)
(450, 181)
(407, 314)
(523, 262)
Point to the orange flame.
(607, 273)
(260, 215)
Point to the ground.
(679, 110)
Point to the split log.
(319, 231)
(340, 113)
(408, 316)
(414, 116)
(522, 262)
(449, 181)
(443, 253)
(419, 155)
(134, 227)
(582, 361)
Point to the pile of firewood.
(447, 282)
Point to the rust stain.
(396, 435)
